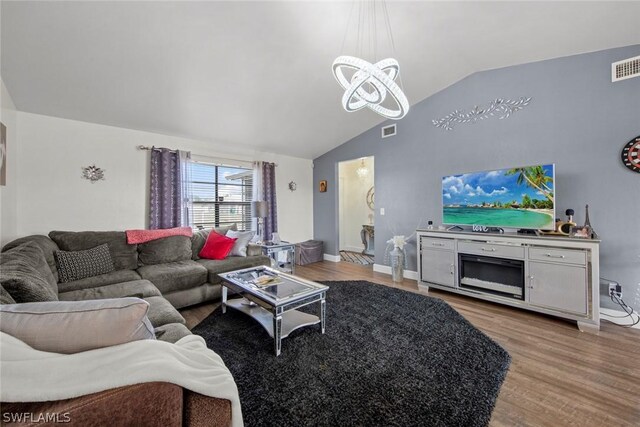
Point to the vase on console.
(397, 258)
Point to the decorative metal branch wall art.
(93, 173)
(499, 107)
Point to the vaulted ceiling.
(258, 74)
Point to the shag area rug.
(389, 358)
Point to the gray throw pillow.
(81, 264)
(74, 326)
(25, 274)
(243, 239)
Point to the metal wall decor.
(503, 108)
(93, 173)
(371, 198)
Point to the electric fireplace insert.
(497, 276)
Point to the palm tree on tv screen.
(534, 176)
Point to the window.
(221, 195)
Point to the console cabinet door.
(438, 266)
(558, 286)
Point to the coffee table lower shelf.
(291, 320)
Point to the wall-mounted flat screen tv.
(522, 197)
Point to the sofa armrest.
(146, 404)
(131, 405)
(201, 411)
(254, 250)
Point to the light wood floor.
(559, 376)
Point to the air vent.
(388, 131)
(625, 69)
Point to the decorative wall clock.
(631, 154)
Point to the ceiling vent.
(388, 131)
(625, 69)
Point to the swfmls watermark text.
(28, 417)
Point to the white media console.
(548, 274)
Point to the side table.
(283, 255)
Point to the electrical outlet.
(381, 211)
(615, 289)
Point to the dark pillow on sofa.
(77, 265)
(125, 256)
(26, 276)
(200, 237)
(167, 249)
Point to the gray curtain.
(269, 194)
(165, 201)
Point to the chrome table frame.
(278, 318)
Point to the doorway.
(356, 217)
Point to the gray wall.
(577, 119)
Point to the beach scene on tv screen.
(517, 197)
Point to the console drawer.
(491, 249)
(435, 243)
(558, 255)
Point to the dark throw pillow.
(80, 264)
(26, 276)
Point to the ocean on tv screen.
(518, 197)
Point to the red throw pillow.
(217, 246)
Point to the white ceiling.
(258, 74)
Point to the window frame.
(218, 219)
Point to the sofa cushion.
(161, 312)
(174, 276)
(172, 332)
(167, 249)
(117, 276)
(5, 297)
(25, 274)
(232, 263)
(200, 237)
(192, 296)
(78, 265)
(136, 288)
(75, 326)
(125, 256)
(47, 245)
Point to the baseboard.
(408, 274)
(331, 258)
(625, 321)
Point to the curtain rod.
(148, 148)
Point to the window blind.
(221, 195)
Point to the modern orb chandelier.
(369, 83)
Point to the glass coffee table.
(271, 297)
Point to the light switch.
(381, 211)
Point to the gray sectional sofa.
(167, 272)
